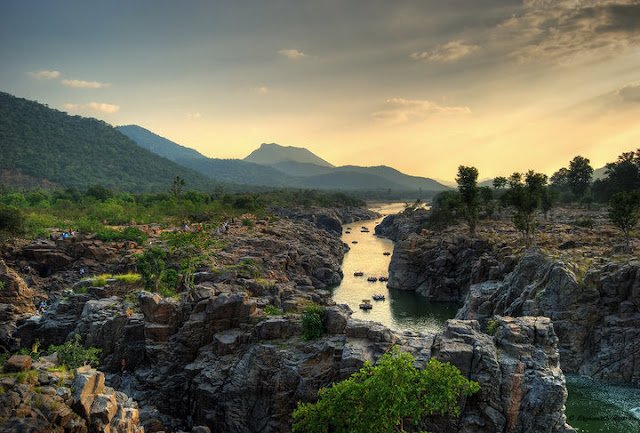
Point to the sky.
(423, 86)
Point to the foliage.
(271, 310)
(526, 197)
(151, 264)
(72, 354)
(313, 322)
(444, 210)
(579, 176)
(381, 398)
(499, 182)
(177, 186)
(11, 222)
(467, 180)
(624, 212)
(492, 327)
(587, 222)
(247, 222)
(2, 284)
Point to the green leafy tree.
(624, 212)
(177, 186)
(313, 322)
(382, 398)
(73, 354)
(444, 210)
(467, 180)
(579, 176)
(151, 265)
(11, 222)
(526, 197)
(499, 182)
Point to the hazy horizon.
(422, 86)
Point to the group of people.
(68, 234)
(43, 306)
(222, 228)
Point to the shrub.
(72, 354)
(380, 399)
(247, 222)
(587, 222)
(492, 327)
(270, 310)
(129, 278)
(11, 221)
(313, 322)
(135, 234)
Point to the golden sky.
(422, 86)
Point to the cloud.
(630, 92)
(292, 54)
(92, 106)
(262, 90)
(449, 52)
(397, 110)
(44, 75)
(566, 29)
(195, 115)
(80, 84)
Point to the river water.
(592, 406)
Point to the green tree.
(467, 180)
(177, 186)
(72, 354)
(151, 264)
(313, 322)
(383, 398)
(579, 176)
(499, 182)
(624, 212)
(526, 197)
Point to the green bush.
(247, 222)
(271, 310)
(11, 221)
(587, 222)
(383, 398)
(72, 354)
(313, 322)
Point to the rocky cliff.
(595, 312)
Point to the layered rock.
(596, 315)
(442, 268)
(329, 219)
(56, 401)
(398, 226)
(16, 303)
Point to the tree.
(579, 176)
(526, 197)
(499, 182)
(467, 180)
(381, 399)
(624, 212)
(177, 187)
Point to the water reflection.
(400, 310)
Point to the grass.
(270, 310)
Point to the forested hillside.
(74, 151)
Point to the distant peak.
(273, 153)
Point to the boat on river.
(354, 242)
(348, 233)
(386, 253)
(372, 279)
(383, 279)
(358, 274)
(366, 304)
(378, 297)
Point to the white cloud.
(449, 52)
(92, 106)
(80, 84)
(292, 54)
(262, 90)
(44, 75)
(630, 92)
(397, 110)
(195, 115)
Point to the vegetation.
(72, 354)
(313, 322)
(624, 212)
(525, 195)
(271, 310)
(385, 397)
(470, 195)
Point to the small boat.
(372, 279)
(358, 274)
(354, 242)
(383, 279)
(386, 253)
(366, 304)
(364, 231)
(378, 297)
(348, 228)
(348, 233)
(364, 228)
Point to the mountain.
(318, 173)
(227, 170)
(600, 173)
(272, 153)
(51, 147)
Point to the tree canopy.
(380, 399)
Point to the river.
(592, 407)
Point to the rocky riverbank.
(576, 276)
(226, 356)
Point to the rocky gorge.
(227, 355)
(575, 276)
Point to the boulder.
(18, 363)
